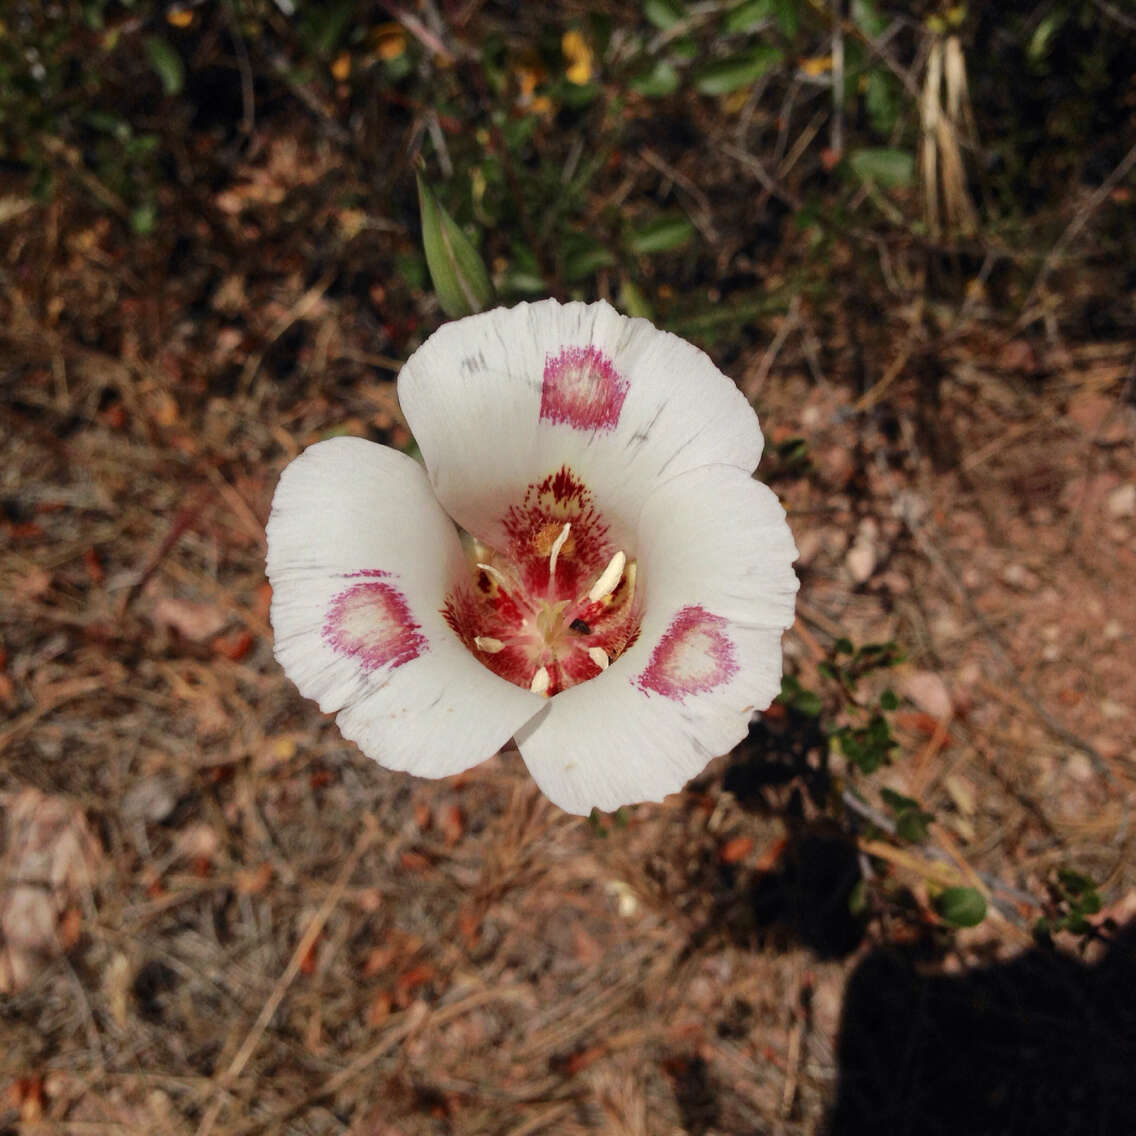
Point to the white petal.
(716, 554)
(360, 556)
(499, 400)
(718, 538)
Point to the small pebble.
(1122, 501)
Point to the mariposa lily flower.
(584, 565)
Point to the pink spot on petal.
(694, 656)
(372, 623)
(582, 388)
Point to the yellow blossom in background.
(341, 66)
(735, 101)
(530, 74)
(816, 65)
(389, 41)
(528, 79)
(179, 17)
(579, 56)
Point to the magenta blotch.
(372, 623)
(582, 388)
(693, 656)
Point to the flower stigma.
(556, 605)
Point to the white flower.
(618, 602)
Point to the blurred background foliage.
(737, 170)
(698, 161)
(905, 227)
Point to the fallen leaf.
(929, 692)
(234, 646)
(380, 1008)
(736, 849)
(51, 862)
(414, 862)
(308, 962)
(469, 925)
(94, 566)
(252, 881)
(452, 824)
(70, 927)
(410, 980)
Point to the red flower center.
(557, 604)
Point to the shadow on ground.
(781, 770)
(1042, 1044)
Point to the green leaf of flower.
(459, 276)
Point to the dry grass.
(229, 921)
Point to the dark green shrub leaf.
(788, 16)
(661, 80)
(911, 825)
(747, 15)
(1073, 882)
(891, 169)
(726, 75)
(167, 64)
(663, 234)
(808, 702)
(663, 13)
(897, 801)
(582, 257)
(961, 906)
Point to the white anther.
(488, 644)
(599, 656)
(541, 681)
(494, 574)
(609, 579)
(557, 545)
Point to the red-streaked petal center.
(557, 603)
